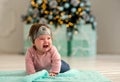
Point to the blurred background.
(12, 28)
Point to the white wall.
(107, 15)
(11, 27)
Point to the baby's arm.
(29, 63)
(56, 62)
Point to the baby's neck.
(40, 52)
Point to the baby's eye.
(49, 38)
(41, 39)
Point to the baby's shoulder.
(53, 49)
(31, 50)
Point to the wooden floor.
(108, 65)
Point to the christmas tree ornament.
(43, 21)
(73, 10)
(82, 4)
(53, 4)
(75, 2)
(66, 5)
(39, 1)
(61, 8)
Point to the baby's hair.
(34, 30)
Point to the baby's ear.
(34, 46)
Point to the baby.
(43, 54)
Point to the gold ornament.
(36, 5)
(29, 18)
(44, 6)
(33, 3)
(81, 14)
(62, 13)
(46, 12)
(79, 9)
(75, 32)
(44, 1)
(67, 25)
(70, 24)
(58, 1)
(64, 0)
(66, 20)
(69, 16)
(77, 13)
(56, 17)
(61, 22)
(51, 22)
(51, 12)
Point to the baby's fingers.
(52, 74)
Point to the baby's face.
(43, 43)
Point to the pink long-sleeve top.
(51, 60)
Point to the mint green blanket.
(70, 76)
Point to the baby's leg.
(64, 66)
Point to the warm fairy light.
(66, 20)
(57, 12)
(46, 12)
(51, 22)
(64, 0)
(61, 22)
(68, 12)
(69, 16)
(70, 24)
(29, 18)
(32, 3)
(51, 13)
(79, 9)
(75, 26)
(44, 6)
(58, 0)
(62, 13)
(77, 13)
(75, 32)
(56, 17)
(67, 25)
(81, 14)
(34, 15)
(44, 1)
(36, 5)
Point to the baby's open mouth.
(45, 46)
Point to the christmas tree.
(59, 12)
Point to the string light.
(46, 12)
(33, 3)
(69, 16)
(44, 6)
(58, 12)
(51, 22)
(79, 9)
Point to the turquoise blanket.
(70, 76)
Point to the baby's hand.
(52, 74)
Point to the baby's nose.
(45, 40)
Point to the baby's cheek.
(39, 44)
(39, 41)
